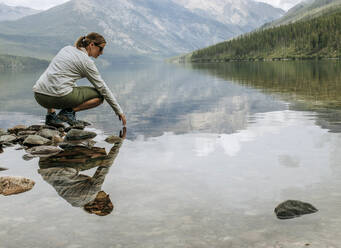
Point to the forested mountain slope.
(316, 38)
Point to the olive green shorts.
(78, 96)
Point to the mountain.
(246, 14)
(133, 28)
(306, 10)
(14, 13)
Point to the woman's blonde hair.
(84, 41)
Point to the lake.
(211, 150)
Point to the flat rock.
(35, 128)
(292, 208)
(7, 138)
(17, 129)
(10, 185)
(75, 126)
(26, 132)
(48, 133)
(36, 140)
(2, 132)
(113, 139)
(77, 135)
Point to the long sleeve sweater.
(68, 66)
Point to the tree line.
(316, 38)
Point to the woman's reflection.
(62, 172)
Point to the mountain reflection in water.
(313, 86)
(62, 172)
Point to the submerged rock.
(78, 135)
(7, 138)
(292, 208)
(36, 140)
(10, 185)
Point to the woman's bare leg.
(92, 103)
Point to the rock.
(2, 132)
(17, 129)
(113, 139)
(84, 123)
(7, 138)
(36, 140)
(49, 127)
(27, 157)
(10, 185)
(35, 128)
(79, 135)
(57, 139)
(48, 133)
(75, 126)
(44, 151)
(292, 208)
(3, 169)
(61, 130)
(1, 150)
(7, 144)
(26, 133)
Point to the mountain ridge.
(145, 28)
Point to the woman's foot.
(68, 115)
(51, 119)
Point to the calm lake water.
(210, 151)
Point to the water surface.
(210, 151)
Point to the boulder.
(10, 185)
(79, 135)
(292, 208)
(36, 140)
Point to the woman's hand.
(122, 118)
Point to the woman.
(56, 88)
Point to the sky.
(46, 4)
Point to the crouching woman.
(56, 88)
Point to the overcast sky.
(45, 4)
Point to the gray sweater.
(68, 66)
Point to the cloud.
(283, 4)
(34, 4)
